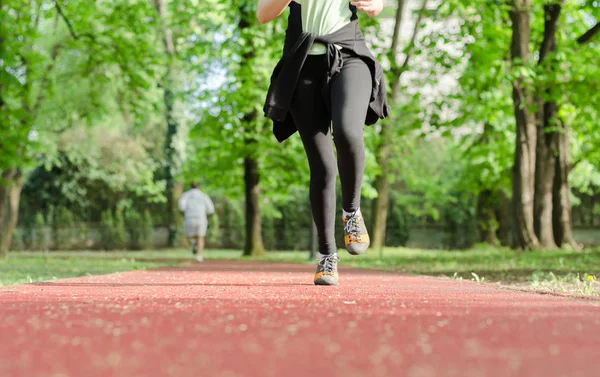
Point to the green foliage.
(82, 235)
(133, 222)
(83, 104)
(63, 227)
(40, 239)
(147, 230)
(398, 226)
(119, 231)
(232, 220)
(460, 223)
(139, 227)
(107, 224)
(213, 235)
(268, 232)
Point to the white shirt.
(322, 17)
(195, 203)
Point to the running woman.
(327, 86)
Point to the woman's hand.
(370, 7)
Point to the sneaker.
(327, 273)
(199, 258)
(356, 237)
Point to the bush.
(233, 224)
(120, 232)
(460, 223)
(398, 226)
(40, 235)
(16, 242)
(27, 237)
(268, 232)
(133, 222)
(107, 229)
(147, 231)
(212, 235)
(62, 227)
(82, 235)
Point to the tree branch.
(588, 35)
(45, 79)
(64, 17)
(74, 34)
(397, 29)
(551, 15)
(395, 69)
(413, 38)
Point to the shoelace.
(351, 227)
(329, 263)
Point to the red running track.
(228, 319)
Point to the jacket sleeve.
(210, 207)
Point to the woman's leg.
(350, 95)
(312, 120)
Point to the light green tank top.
(322, 17)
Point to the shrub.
(40, 235)
(82, 235)
(119, 231)
(133, 222)
(62, 227)
(147, 231)
(106, 229)
(212, 235)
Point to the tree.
(546, 139)
(236, 153)
(526, 132)
(382, 184)
(173, 163)
(561, 192)
(43, 43)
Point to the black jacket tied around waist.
(287, 71)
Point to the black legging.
(350, 91)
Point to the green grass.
(554, 270)
(33, 267)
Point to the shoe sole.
(357, 252)
(325, 282)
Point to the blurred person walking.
(196, 206)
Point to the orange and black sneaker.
(356, 237)
(327, 273)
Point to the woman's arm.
(268, 10)
(370, 7)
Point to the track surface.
(227, 319)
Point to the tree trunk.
(524, 165)
(382, 185)
(254, 243)
(546, 137)
(172, 170)
(172, 164)
(561, 213)
(5, 181)
(486, 217)
(503, 214)
(10, 194)
(544, 176)
(381, 203)
(561, 210)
